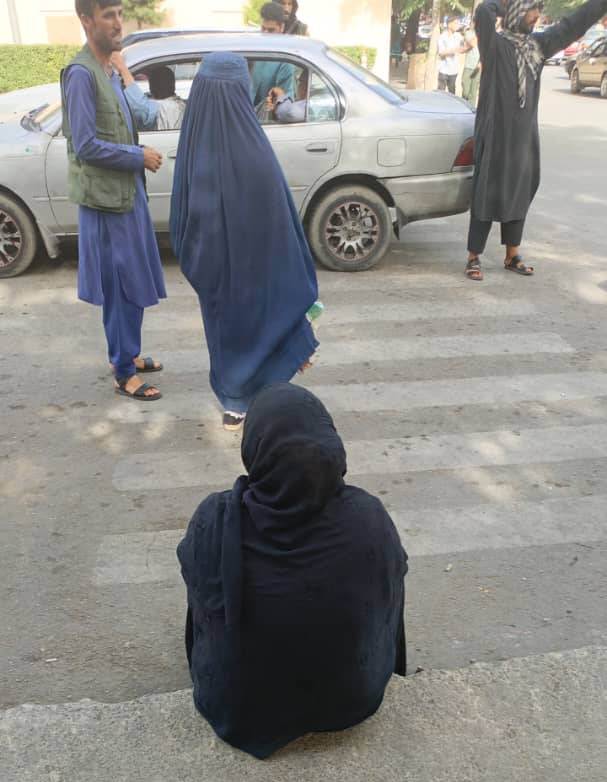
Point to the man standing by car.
(471, 76)
(119, 264)
(449, 49)
(506, 136)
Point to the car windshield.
(381, 88)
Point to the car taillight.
(465, 156)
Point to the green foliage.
(144, 12)
(556, 9)
(27, 66)
(251, 12)
(355, 53)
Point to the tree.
(144, 12)
(430, 75)
(252, 12)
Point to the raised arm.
(145, 110)
(572, 27)
(81, 109)
(484, 23)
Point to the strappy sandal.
(516, 265)
(473, 270)
(149, 365)
(139, 394)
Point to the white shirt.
(449, 65)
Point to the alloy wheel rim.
(11, 239)
(352, 231)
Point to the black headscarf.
(295, 585)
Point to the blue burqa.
(239, 239)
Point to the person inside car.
(162, 109)
(266, 74)
(283, 108)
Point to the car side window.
(322, 106)
(284, 92)
(164, 87)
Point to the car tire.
(350, 229)
(18, 238)
(575, 81)
(604, 86)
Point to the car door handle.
(172, 154)
(317, 148)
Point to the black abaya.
(507, 146)
(295, 586)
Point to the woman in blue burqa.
(295, 585)
(239, 240)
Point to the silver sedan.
(364, 161)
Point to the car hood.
(435, 102)
(13, 105)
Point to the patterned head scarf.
(527, 49)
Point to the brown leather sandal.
(473, 270)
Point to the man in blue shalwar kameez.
(119, 264)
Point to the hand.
(118, 62)
(275, 94)
(152, 160)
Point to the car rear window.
(380, 87)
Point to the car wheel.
(18, 239)
(350, 229)
(604, 86)
(575, 81)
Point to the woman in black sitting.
(295, 585)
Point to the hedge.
(356, 53)
(28, 66)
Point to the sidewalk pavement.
(533, 719)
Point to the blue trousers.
(122, 322)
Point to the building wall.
(342, 22)
(39, 21)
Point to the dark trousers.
(122, 322)
(512, 234)
(447, 82)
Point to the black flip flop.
(139, 394)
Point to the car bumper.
(438, 195)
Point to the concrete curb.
(529, 719)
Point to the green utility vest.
(99, 188)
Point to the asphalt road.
(477, 411)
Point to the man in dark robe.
(506, 137)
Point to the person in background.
(292, 24)
(471, 75)
(240, 242)
(449, 48)
(295, 586)
(266, 74)
(119, 265)
(164, 109)
(396, 52)
(506, 135)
